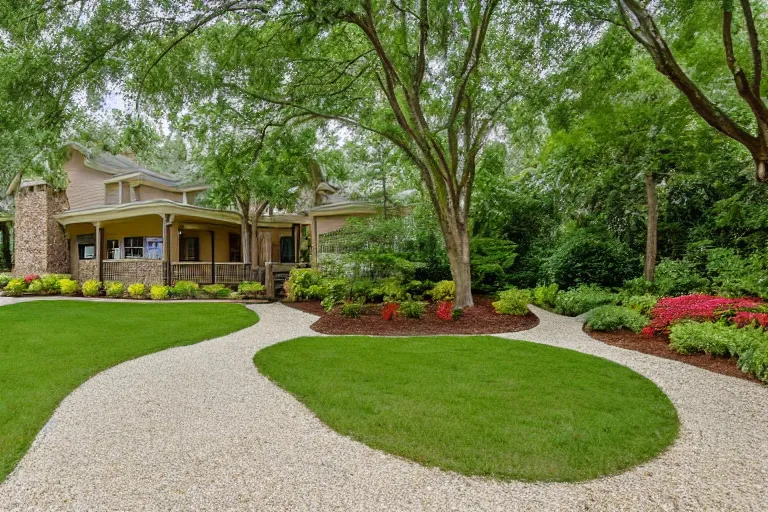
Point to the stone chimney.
(40, 244)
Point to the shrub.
(388, 290)
(413, 308)
(678, 277)
(35, 286)
(613, 318)
(750, 318)
(31, 277)
(185, 289)
(250, 289)
(513, 302)
(4, 280)
(68, 286)
(91, 288)
(591, 255)
(300, 280)
(217, 291)
(137, 290)
(492, 261)
(582, 299)
(445, 310)
(329, 303)
(734, 275)
(544, 296)
(159, 292)
(640, 303)
(443, 291)
(389, 310)
(351, 309)
(115, 289)
(702, 308)
(50, 282)
(638, 286)
(15, 287)
(754, 359)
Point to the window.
(235, 248)
(113, 249)
(86, 247)
(134, 246)
(154, 248)
(287, 252)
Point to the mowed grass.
(48, 348)
(479, 405)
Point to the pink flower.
(698, 307)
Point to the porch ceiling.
(142, 208)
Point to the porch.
(6, 241)
(166, 242)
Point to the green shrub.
(91, 288)
(678, 277)
(718, 339)
(250, 289)
(115, 289)
(4, 280)
(492, 263)
(300, 280)
(159, 292)
(590, 255)
(582, 299)
(362, 289)
(329, 303)
(544, 296)
(416, 288)
(733, 275)
(50, 282)
(640, 303)
(185, 289)
(513, 302)
(391, 289)
(444, 291)
(613, 318)
(412, 308)
(15, 287)
(137, 290)
(754, 360)
(217, 291)
(35, 286)
(67, 286)
(351, 309)
(638, 286)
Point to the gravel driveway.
(198, 428)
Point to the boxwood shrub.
(91, 288)
(582, 299)
(513, 302)
(115, 289)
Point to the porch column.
(315, 241)
(166, 250)
(213, 257)
(99, 235)
(296, 232)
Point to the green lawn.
(48, 348)
(479, 405)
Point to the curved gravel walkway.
(198, 427)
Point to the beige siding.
(86, 186)
(147, 193)
(113, 193)
(327, 224)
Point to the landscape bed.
(480, 319)
(659, 346)
(479, 405)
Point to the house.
(118, 221)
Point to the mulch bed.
(480, 319)
(659, 346)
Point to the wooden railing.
(205, 272)
(132, 271)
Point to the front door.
(235, 248)
(190, 249)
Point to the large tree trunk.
(456, 239)
(245, 232)
(652, 233)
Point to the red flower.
(445, 310)
(31, 277)
(702, 308)
(745, 318)
(389, 310)
(648, 331)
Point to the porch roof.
(139, 208)
(166, 206)
(6, 217)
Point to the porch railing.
(205, 272)
(127, 271)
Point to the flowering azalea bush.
(389, 310)
(698, 307)
(745, 318)
(30, 278)
(445, 310)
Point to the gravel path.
(198, 428)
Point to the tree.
(642, 24)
